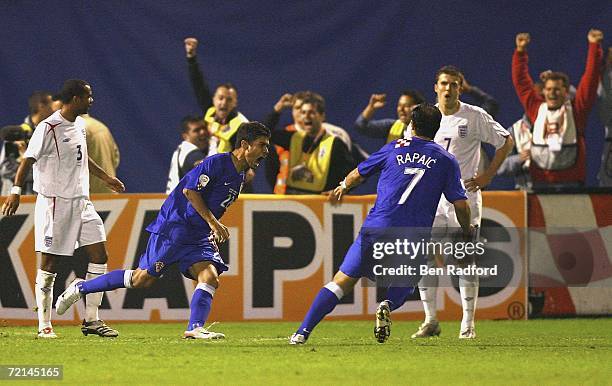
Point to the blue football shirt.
(219, 184)
(414, 173)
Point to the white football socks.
(428, 289)
(468, 288)
(93, 300)
(44, 297)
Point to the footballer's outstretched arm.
(12, 201)
(220, 231)
(350, 181)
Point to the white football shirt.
(60, 151)
(461, 134)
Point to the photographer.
(15, 142)
(16, 139)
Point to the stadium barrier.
(282, 249)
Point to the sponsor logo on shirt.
(48, 241)
(463, 130)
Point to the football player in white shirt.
(65, 219)
(462, 130)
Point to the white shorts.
(62, 225)
(446, 219)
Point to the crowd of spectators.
(311, 155)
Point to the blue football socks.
(324, 303)
(200, 306)
(106, 282)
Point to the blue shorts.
(359, 261)
(162, 253)
(354, 265)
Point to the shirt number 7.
(418, 174)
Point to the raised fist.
(191, 47)
(283, 103)
(378, 101)
(595, 36)
(522, 41)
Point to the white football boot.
(46, 333)
(70, 296)
(427, 330)
(203, 333)
(467, 333)
(297, 339)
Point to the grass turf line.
(533, 352)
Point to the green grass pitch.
(567, 351)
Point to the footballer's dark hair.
(416, 96)
(426, 120)
(190, 119)
(250, 131)
(70, 89)
(450, 70)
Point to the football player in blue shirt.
(187, 230)
(414, 174)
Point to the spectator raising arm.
(198, 81)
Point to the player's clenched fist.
(191, 47)
(522, 41)
(595, 36)
(378, 101)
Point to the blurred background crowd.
(172, 81)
